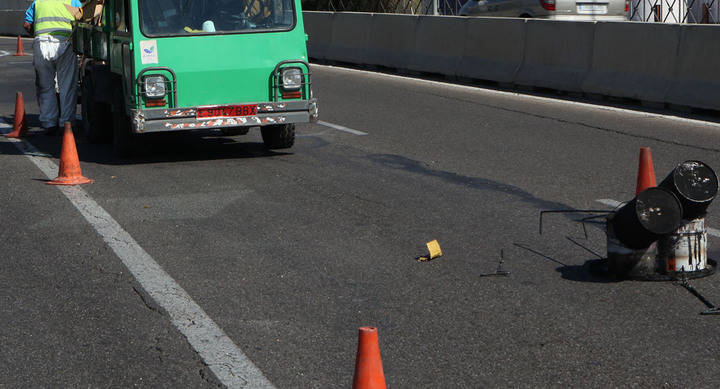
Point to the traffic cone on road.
(646, 172)
(20, 126)
(19, 52)
(70, 172)
(368, 364)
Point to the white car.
(550, 9)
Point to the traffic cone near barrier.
(20, 126)
(646, 172)
(368, 365)
(19, 52)
(70, 172)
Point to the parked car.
(549, 9)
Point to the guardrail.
(655, 63)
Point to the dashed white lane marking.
(530, 97)
(229, 364)
(615, 203)
(341, 128)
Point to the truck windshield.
(191, 17)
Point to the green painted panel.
(223, 69)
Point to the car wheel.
(95, 126)
(281, 136)
(124, 141)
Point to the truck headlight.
(292, 78)
(155, 86)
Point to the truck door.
(121, 60)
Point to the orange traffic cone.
(368, 365)
(646, 172)
(70, 172)
(19, 52)
(20, 127)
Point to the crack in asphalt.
(565, 121)
(145, 301)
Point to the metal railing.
(675, 11)
(660, 11)
(413, 7)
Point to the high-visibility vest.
(52, 18)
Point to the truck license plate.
(221, 111)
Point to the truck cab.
(179, 65)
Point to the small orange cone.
(368, 365)
(20, 127)
(646, 172)
(20, 52)
(70, 172)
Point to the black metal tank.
(653, 213)
(695, 184)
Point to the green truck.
(179, 65)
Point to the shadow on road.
(154, 148)
(593, 270)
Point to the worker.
(50, 21)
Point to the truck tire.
(95, 124)
(124, 142)
(279, 136)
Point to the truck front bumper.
(177, 119)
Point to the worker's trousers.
(53, 57)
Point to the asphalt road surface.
(288, 253)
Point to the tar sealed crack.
(149, 304)
(210, 378)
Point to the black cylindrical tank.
(695, 185)
(652, 213)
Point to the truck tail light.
(155, 103)
(627, 5)
(548, 4)
(292, 94)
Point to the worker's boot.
(51, 131)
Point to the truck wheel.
(123, 140)
(280, 136)
(95, 126)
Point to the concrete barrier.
(644, 61)
(558, 54)
(439, 44)
(348, 42)
(12, 14)
(635, 60)
(11, 23)
(697, 81)
(493, 49)
(391, 41)
(318, 26)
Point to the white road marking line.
(531, 97)
(3, 53)
(231, 366)
(341, 128)
(609, 202)
(614, 203)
